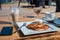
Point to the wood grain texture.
(6, 20)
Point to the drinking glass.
(15, 14)
(37, 10)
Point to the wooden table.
(15, 36)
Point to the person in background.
(40, 3)
(0, 5)
(57, 5)
(50, 1)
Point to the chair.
(19, 3)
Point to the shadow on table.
(27, 6)
(30, 16)
(4, 22)
(20, 39)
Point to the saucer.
(44, 18)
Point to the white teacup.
(49, 16)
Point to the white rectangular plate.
(27, 31)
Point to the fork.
(24, 24)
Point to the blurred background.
(7, 4)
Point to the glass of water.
(15, 14)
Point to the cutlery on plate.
(24, 24)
